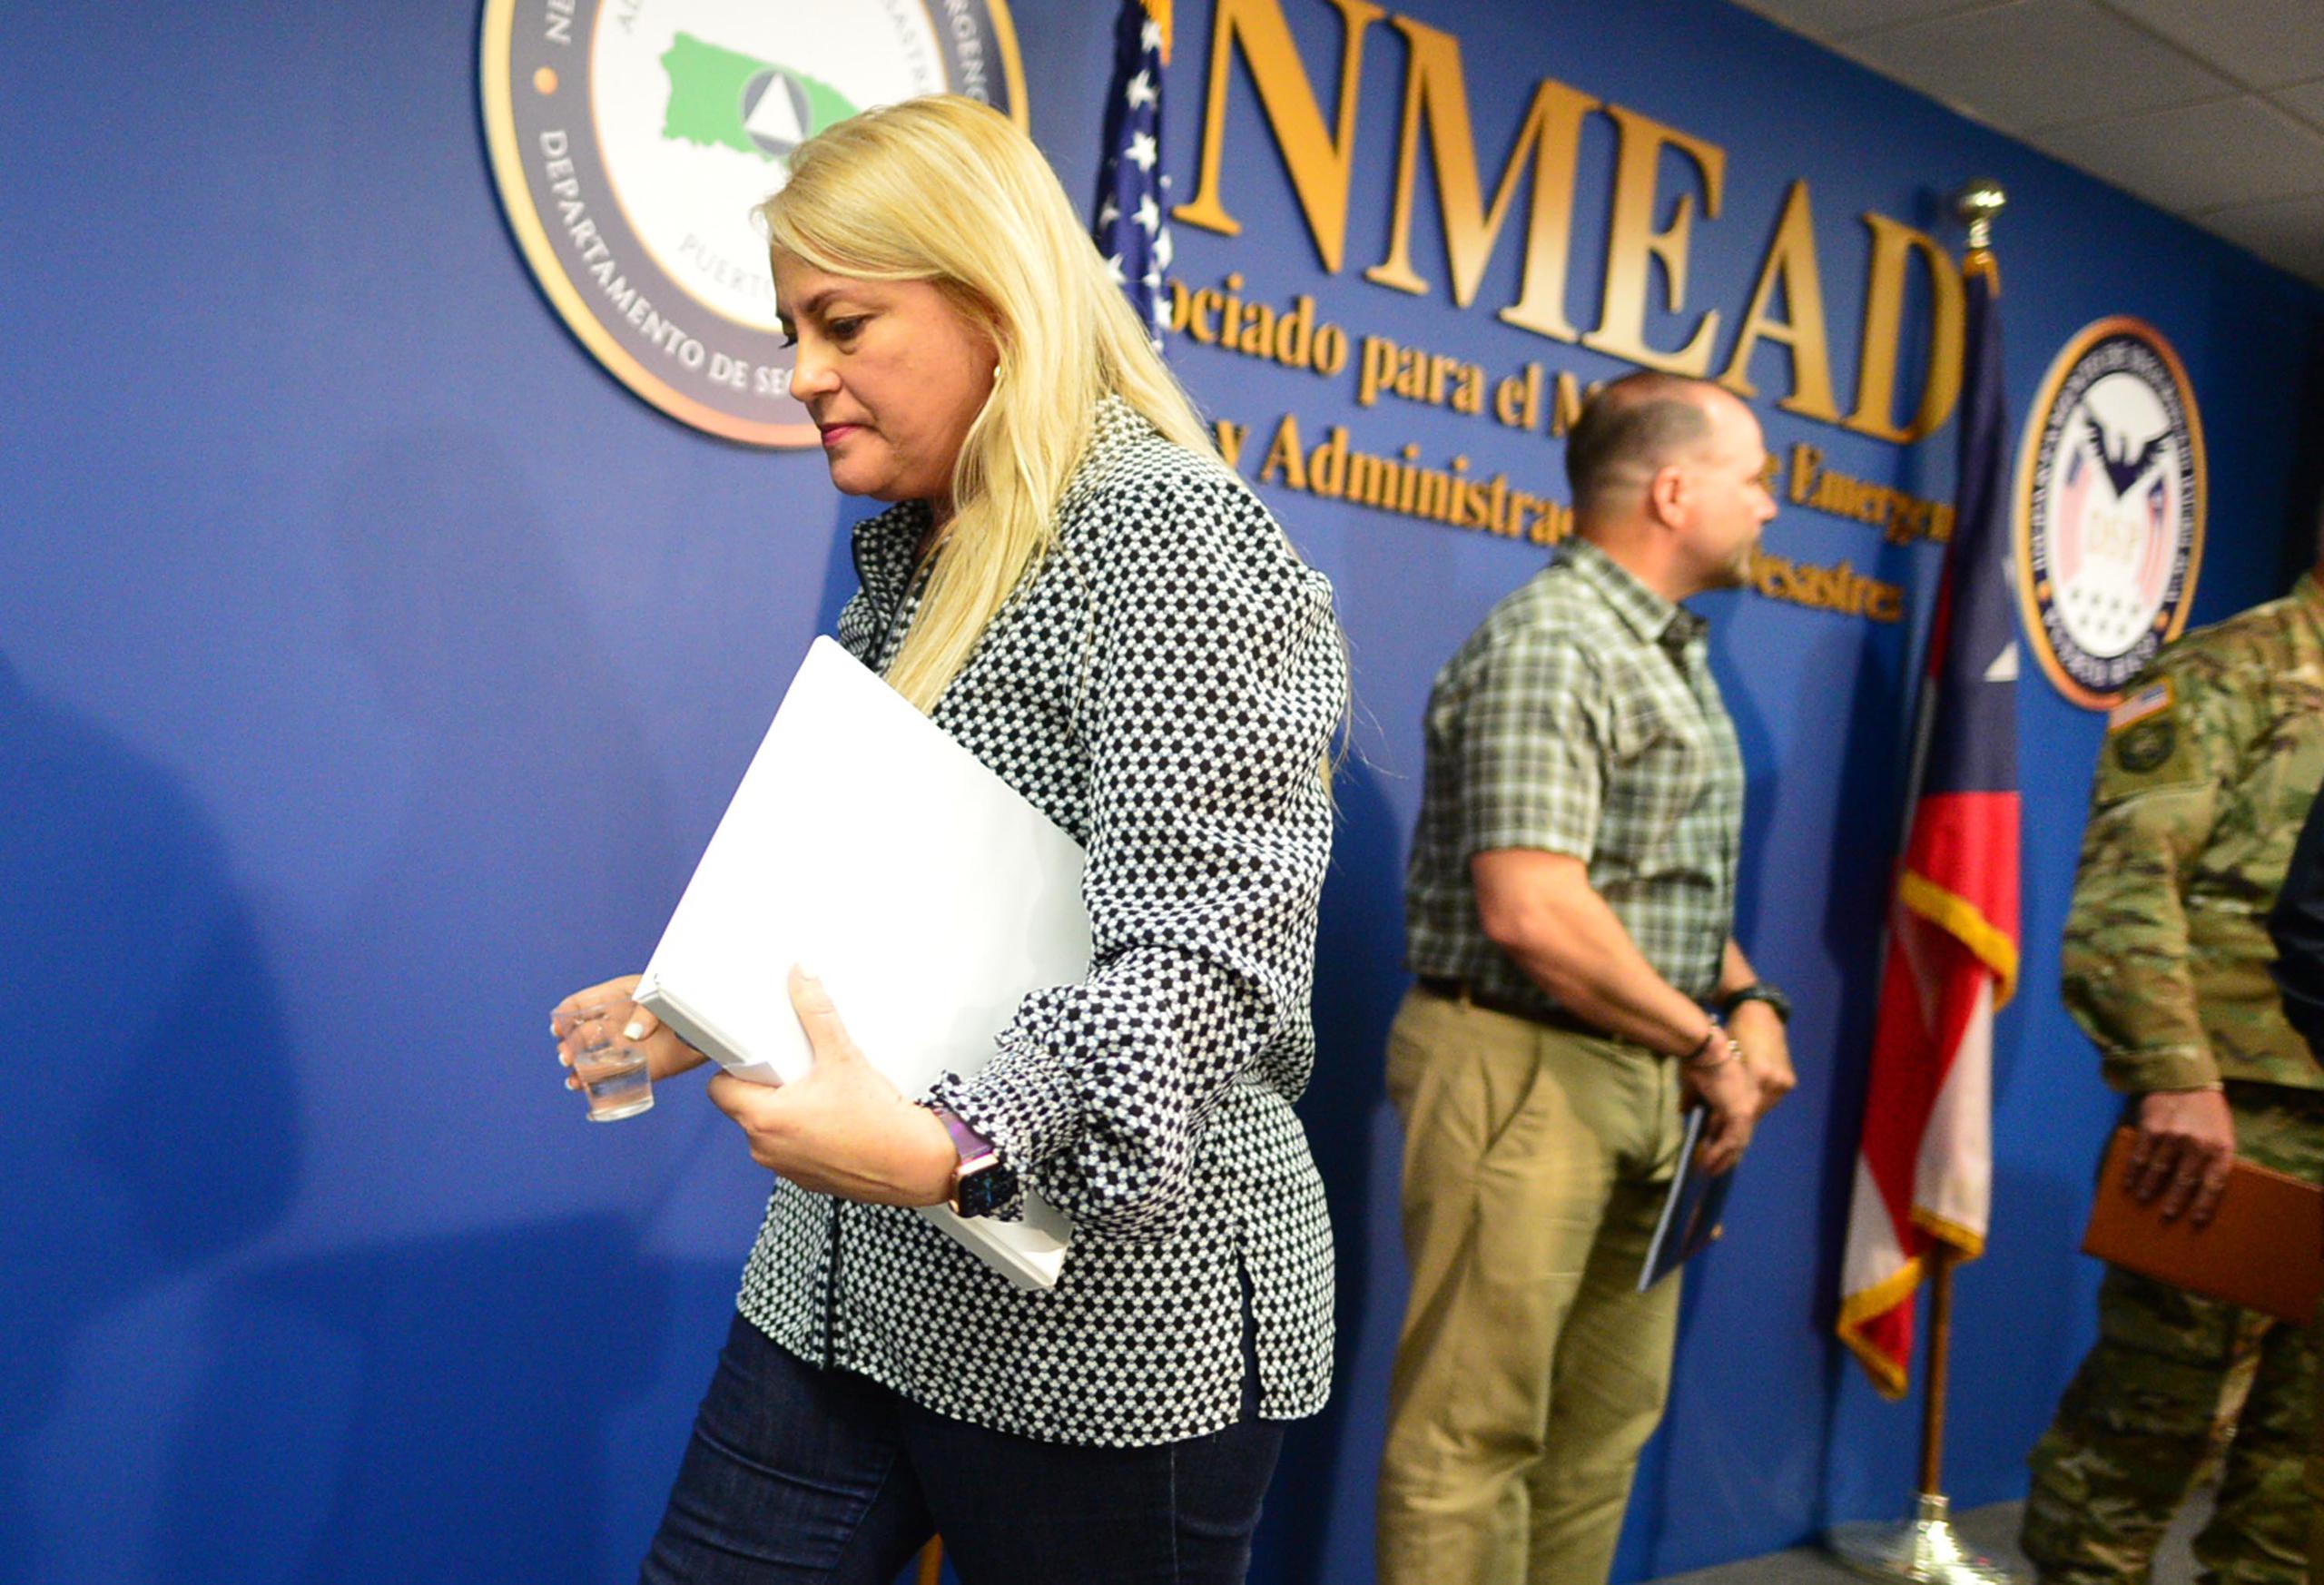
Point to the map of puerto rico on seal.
(631, 169)
(721, 96)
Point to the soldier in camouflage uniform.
(2208, 768)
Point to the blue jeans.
(796, 1474)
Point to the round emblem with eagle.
(2109, 508)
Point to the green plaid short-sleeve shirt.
(1580, 718)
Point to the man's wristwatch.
(1757, 990)
(981, 1182)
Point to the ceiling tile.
(2289, 234)
(2261, 44)
(1827, 20)
(2111, 87)
(2306, 102)
(2023, 66)
(2196, 157)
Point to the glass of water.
(611, 1069)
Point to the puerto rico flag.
(1923, 1171)
(1130, 228)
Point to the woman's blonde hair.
(948, 190)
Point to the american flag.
(1925, 1167)
(1130, 228)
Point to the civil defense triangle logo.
(2110, 505)
(632, 139)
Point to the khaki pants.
(1529, 1370)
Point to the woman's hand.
(844, 1129)
(667, 1055)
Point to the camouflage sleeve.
(2171, 746)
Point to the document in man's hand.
(923, 891)
(2263, 1248)
(1691, 1209)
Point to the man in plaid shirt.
(1568, 911)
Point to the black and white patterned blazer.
(1165, 688)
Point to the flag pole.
(1940, 1352)
(1926, 1549)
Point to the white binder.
(925, 892)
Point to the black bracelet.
(1715, 1035)
(1757, 990)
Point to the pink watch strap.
(970, 1146)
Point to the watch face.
(984, 1191)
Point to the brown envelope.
(2263, 1250)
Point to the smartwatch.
(981, 1182)
(1757, 990)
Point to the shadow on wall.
(494, 642)
(1866, 836)
(443, 1415)
(1657, 1485)
(1866, 843)
(431, 1407)
(432, 1387)
(1360, 978)
(466, 1346)
(152, 1130)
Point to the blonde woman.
(1071, 583)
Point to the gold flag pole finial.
(1976, 204)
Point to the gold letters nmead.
(1320, 165)
(1664, 181)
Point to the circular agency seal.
(2109, 508)
(632, 139)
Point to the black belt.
(1554, 1017)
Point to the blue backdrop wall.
(372, 666)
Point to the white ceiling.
(2212, 109)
